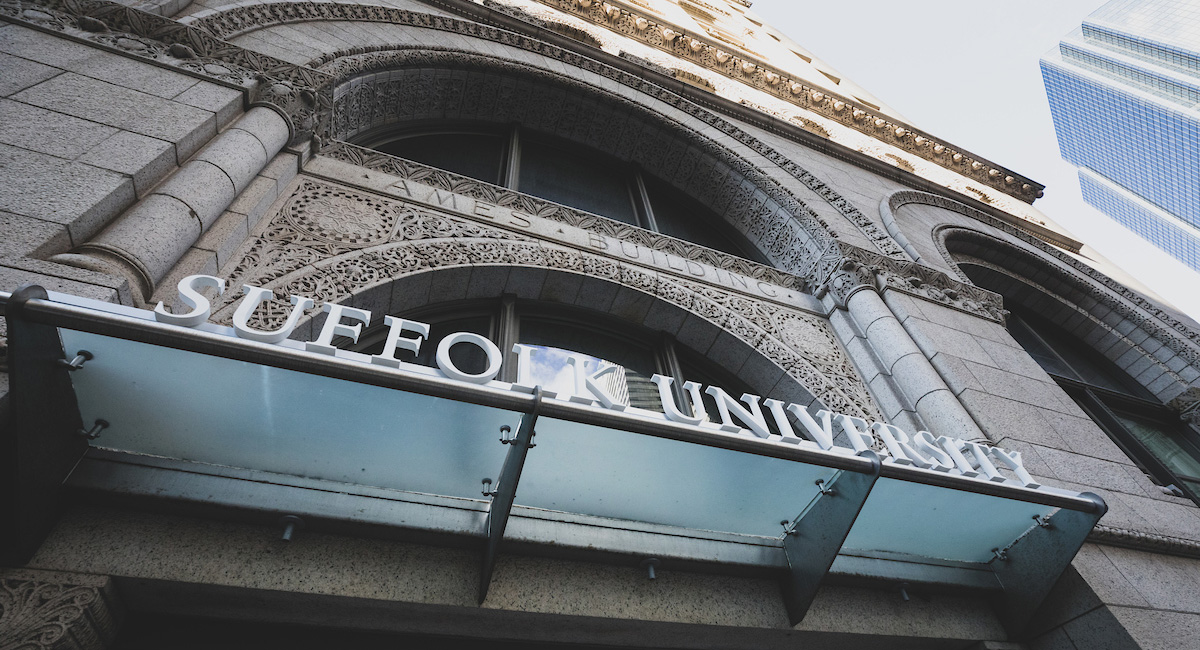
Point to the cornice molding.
(1143, 541)
(636, 23)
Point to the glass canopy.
(204, 396)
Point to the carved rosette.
(37, 614)
(291, 256)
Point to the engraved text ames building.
(552, 323)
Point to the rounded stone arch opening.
(388, 89)
(1081, 308)
(786, 354)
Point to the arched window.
(553, 332)
(570, 174)
(1152, 435)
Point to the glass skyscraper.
(1124, 91)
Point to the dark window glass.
(679, 215)
(1037, 349)
(1062, 354)
(575, 178)
(573, 175)
(1176, 451)
(478, 155)
(1167, 450)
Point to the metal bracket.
(290, 523)
(1035, 561)
(812, 542)
(81, 357)
(94, 432)
(506, 491)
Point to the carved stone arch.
(1100, 320)
(231, 20)
(361, 250)
(384, 90)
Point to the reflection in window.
(567, 173)
(556, 334)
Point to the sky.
(967, 71)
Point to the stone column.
(854, 287)
(44, 610)
(149, 239)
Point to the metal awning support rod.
(1030, 566)
(812, 542)
(506, 491)
(94, 321)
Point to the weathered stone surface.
(73, 194)
(224, 237)
(148, 160)
(225, 102)
(156, 233)
(38, 129)
(134, 75)
(186, 126)
(20, 74)
(237, 153)
(203, 187)
(11, 278)
(27, 236)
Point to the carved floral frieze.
(331, 243)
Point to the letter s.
(189, 294)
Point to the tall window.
(1167, 449)
(573, 175)
(553, 332)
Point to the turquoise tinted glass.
(196, 407)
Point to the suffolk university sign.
(747, 416)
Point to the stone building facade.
(862, 266)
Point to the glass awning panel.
(936, 523)
(601, 471)
(210, 409)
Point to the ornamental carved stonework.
(712, 51)
(37, 612)
(290, 256)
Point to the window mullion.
(508, 334)
(668, 365)
(643, 200)
(512, 163)
(1125, 439)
